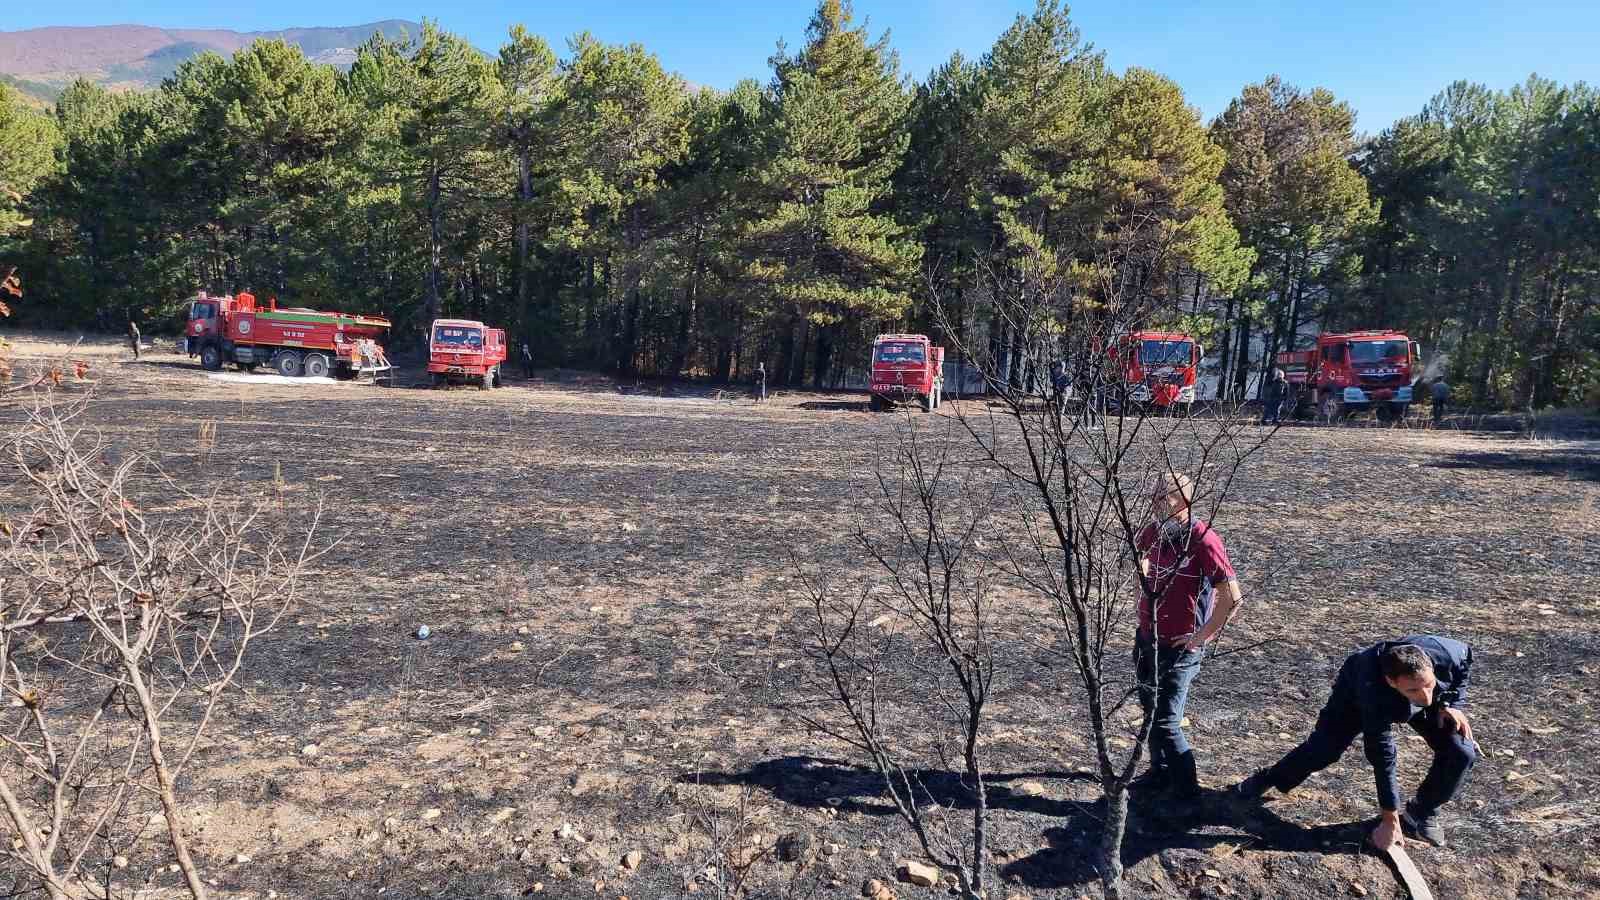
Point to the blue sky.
(1385, 58)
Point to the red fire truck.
(1159, 368)
(293, 341)
(906, 368)
(1353, 372)
(464, 350)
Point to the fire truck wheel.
(875, 403)
(315, 366)
(287, 364)
(211, 357)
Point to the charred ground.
(607, 577)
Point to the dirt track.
(607, 579)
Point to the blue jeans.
(1164, 679)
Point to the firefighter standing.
(1272, 397)
(761, 382)
(133, 338)
(527, 361)
(1441, 396)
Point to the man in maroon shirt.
(1187, 594)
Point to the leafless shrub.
(122, 628)
(864, 682)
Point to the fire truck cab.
(465, 350)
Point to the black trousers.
(1339, 724)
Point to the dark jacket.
(1381, 706)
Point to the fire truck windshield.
(1166, 353)
(900, 352)
(1377, 351)
(456, 336)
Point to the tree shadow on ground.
(849, 405)
(1574, 463)
(1184, 838)
(813, 782)
(1158, 827)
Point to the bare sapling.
(128, 607)
(1079, 450)
(901, 666)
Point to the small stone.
(241, 858)
(538, 887)
(503, 815)
(632, 859)
(523, 630)
(568, 833)
(430, 815)
(876, 890)
(310, 750)
(517, 647)
(544, 731)
(423, 633)
(474, 732)
(831, 849)
(1213, 873)
(391, 825)
(913, 872)
(1357, 888)
(119, 861)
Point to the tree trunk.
(825, 339)
(786, 353)
(1227, 351)
(1241, 366)
(687, 315)
(1111, 841)
(1492, 333)
(433, 300)
(525, 192)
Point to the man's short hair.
(1173, 482)
(1404, 661)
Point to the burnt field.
(607, 578)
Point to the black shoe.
(1185, 781)
(1253, 788)
(1427, 830)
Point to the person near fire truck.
(1188, 592)
(133, 338)
(1272, 396)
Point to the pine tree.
(827, 248)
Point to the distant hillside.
(41, 61)
(33, 93)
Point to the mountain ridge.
(133, 56)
